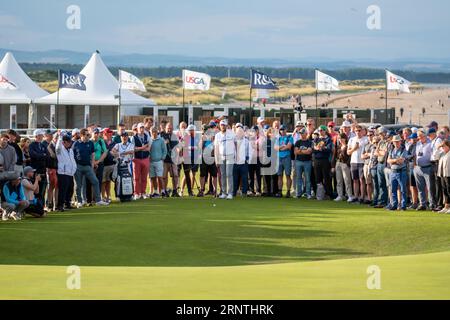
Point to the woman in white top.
(444, 175)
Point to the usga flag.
(326, 83)
(7, 84)
(395, 82)
(130, 82)
(196, 81)
(71, 80)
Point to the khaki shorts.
(367, 174)
(107, 172)
(170, 168)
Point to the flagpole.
(250, 100)
(120, 100)
(317, 104)
(57, 95)
(386, 100)
(183, 110)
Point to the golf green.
(226, 249)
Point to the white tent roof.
(26, 89)
(102, 89)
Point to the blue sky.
(242, 29)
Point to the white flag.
(262, 94)
(326, 83)
(395, 82)
(130, 82)
(7, 84)
(196, 81)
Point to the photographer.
(30, 184)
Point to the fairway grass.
(241, 249)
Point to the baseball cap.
(124, 134)
(27, 170)
(282, 127)
(299, 124)
(413, 136)
(223, 122)
(260, 119)
(38, 132)
(239, 125)
(191, 127)
(140, 125)
(255, 128)
(331, 123)
(381, 130)
(346, 124)
(433, 124)
(96, 130)
(75, 131)
(67, 137)
(107, 130)
(396, 138)
(324, 128)
(431, 131)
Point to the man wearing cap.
(67, 168)
(356, 147)
(171, 164)
(436, 189)
(397, 159)
(303, 163)
(331, 132)
(109, 164)
(208, 167)
(284, 145)
(158, 152)
(13, 199)
(191, 151)
(30, 184)
(243, 155)
(382, 153)
(261, 122)
(75, 134)
(52, 168)
(422, 170)
(322, 150)
(84, 154)
(141, 161)
(254, 168)
(225, 154)
(38, 160)
(411, 149)
(100, 153)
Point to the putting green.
(213, 249)
(405, 277)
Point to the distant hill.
(164, 60)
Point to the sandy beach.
(435, 100)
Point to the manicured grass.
(194, 232)
(245, 248)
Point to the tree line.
(47, 72)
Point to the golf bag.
(124, 181)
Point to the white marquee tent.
(98, 103)
(17, 95)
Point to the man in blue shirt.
(398, 159)
(423, 170)
(84, 153)
(13, 198)
(283, 146)
(322, 149)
